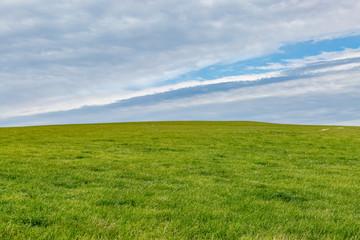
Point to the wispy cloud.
(317, 93)
(62, 55)
(299, 62)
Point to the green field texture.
(180, 180)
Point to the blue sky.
(298, 50)
(102, 61)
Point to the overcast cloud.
(65, 54)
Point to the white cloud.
(329, 82)
(324, 56)
(270, 66)
(66, 54)
(328, 96)
(343, 67)
(299, 62)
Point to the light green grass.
(180, 180)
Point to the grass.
(180, 180)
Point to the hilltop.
(180, 180)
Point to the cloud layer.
(60, 55)
(324, 92)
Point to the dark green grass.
(180, 180)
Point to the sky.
(293, 61)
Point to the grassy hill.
(180, 180)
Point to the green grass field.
(180, 180)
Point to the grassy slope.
(180, 180)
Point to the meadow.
(180, 180)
